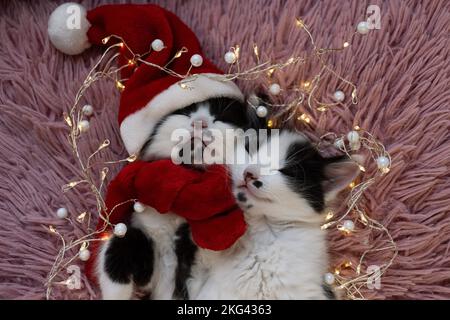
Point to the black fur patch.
(222, 109)
(185, 249)
(328, 292)
(186, 111)
(305, 173)
(130, 258)
(230, 111)
(241, 197)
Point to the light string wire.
(305, 92)
(87, 172)
(353, 286)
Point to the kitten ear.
(339, 173)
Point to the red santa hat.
(149, 93)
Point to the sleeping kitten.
(157, 251)
(283, 255)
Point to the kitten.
(283, 254)
(157, 251)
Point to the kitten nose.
(203, 123)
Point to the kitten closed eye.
(283, 209)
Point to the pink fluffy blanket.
(402, 73)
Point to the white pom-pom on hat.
(67, 28)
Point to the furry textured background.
(403, 76)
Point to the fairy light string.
(304, 93)
(348, 145)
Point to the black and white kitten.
(283, 254)
(157, 251)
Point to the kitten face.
(298, 185)
(210, 116)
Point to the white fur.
(161, 228)
(283, 255)
(136, 128)
(110, 290)
(275, 199)
(271, 261)
(69, 40)
(163, 145)
(114, 291)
